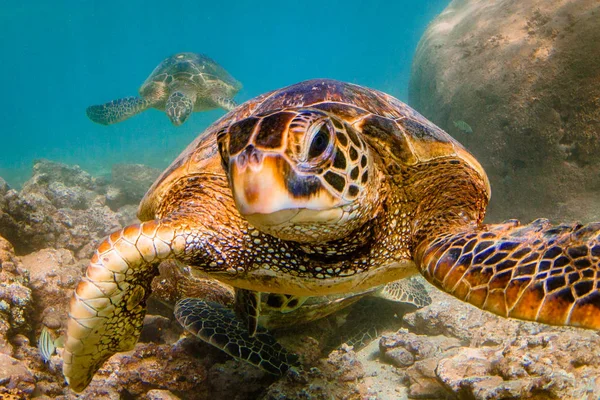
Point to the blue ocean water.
(60, 57)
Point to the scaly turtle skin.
(179, 85)
(325, 187)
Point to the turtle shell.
(196, 67)
(399, 134)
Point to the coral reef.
(524, 75)
(447, 350)
(16, 303)
(452, 349)
(53, 275)
(60, 207)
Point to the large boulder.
(524, 76)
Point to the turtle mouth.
(296, 216)
(303, 225)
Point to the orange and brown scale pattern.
(534, 272)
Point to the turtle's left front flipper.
(219, 326)
(534, 272)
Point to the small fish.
(463, 126)
(47, 346)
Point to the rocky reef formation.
(523, 76)
(453, 350)
(448, 350)
(62, 206)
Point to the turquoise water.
(58, 58)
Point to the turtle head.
(300, 175)
(179, 107)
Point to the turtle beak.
(257, 185)
(264, 183)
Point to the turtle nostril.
(254, 158)
(251, 155)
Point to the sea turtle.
(327, 187)
(182, 83)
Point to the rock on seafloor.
(60, 207)
(524, 76)
(477, 355)
(53, 275)
(129, 183)
(16, 302)
(448, 350)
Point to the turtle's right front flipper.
(109, 303)
(219, 326)
(117, 110)
(536, 272)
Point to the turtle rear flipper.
(536, 272)
(218, 325)
(408, 290)
(117, 110)
(225, 103)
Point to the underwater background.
(61, 57)
(517, 82)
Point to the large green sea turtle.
(326, 187)
(182, 83)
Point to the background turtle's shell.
(191, 66)
(394, 130)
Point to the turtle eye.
(319, 142)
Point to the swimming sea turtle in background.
(182, 83)
(319, 188)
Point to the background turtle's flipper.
(117, 110)
(217, 325)
(225, 102)
(408, 290)
(108, 306)
(534, 272)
